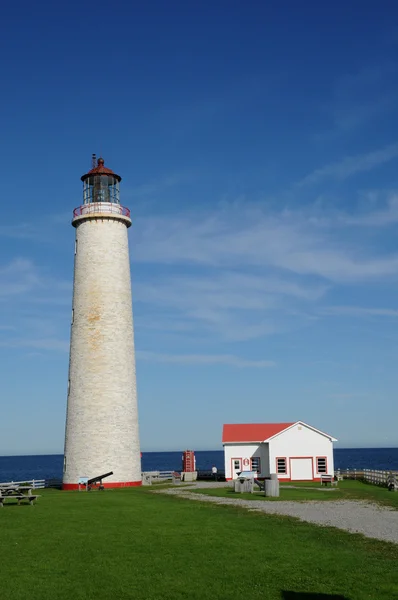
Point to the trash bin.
(244, 482)
(271, 489)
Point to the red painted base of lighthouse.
(116, 484)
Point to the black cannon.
(97, 479)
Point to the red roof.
(100, 169)
(252, 432)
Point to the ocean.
(20, 468)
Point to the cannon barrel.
(99, 478)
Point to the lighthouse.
(102, 420)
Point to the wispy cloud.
(205, 359)
(359, 311)
(357, 99)
(351, 165)
(22, 276)
(33, 231)
(235, 272)
(227, 290)
(24, 286)
(19, 276)
(21, 231)
(289, 243)
(158, 186)
(38, 344)
(241, 271)
(236, 306)
(349, 117)
(347, 395)
(387, 215)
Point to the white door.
(236, 466)
(301, 469)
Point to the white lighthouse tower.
(102, 420)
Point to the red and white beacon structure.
(102, 418)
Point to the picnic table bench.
(326, 479)
(17, 493)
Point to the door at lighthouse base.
(301, 469)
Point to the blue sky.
(258, 147)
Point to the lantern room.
(100, 184)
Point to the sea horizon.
(197, 450)
(25, 467)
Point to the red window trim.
(276, 464)
(317, 467)
(259, 464)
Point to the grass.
(298, 495)
(304, 492)
(134, 543)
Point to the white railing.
(348, 474)
(384, 478)
(93, 208)
(35, 483)
(150, 476)
(373, 476)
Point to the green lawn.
(299, 495)
(134, 543)
(304, 491)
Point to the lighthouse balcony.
(101, 209)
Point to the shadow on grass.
(309, 596)
(15, 503)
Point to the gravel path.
(373, 521)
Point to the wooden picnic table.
(325, 479)
(18, 493)
(27, 489)
(8, 490)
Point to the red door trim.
(232, 466)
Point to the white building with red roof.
(295, 451)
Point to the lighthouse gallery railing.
(101, 207)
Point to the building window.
(68, 386)
(281, 466)
(236, 463)
(75, 247)
(256, 464)
(73, 316)
(64, 464)
(321, 464)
